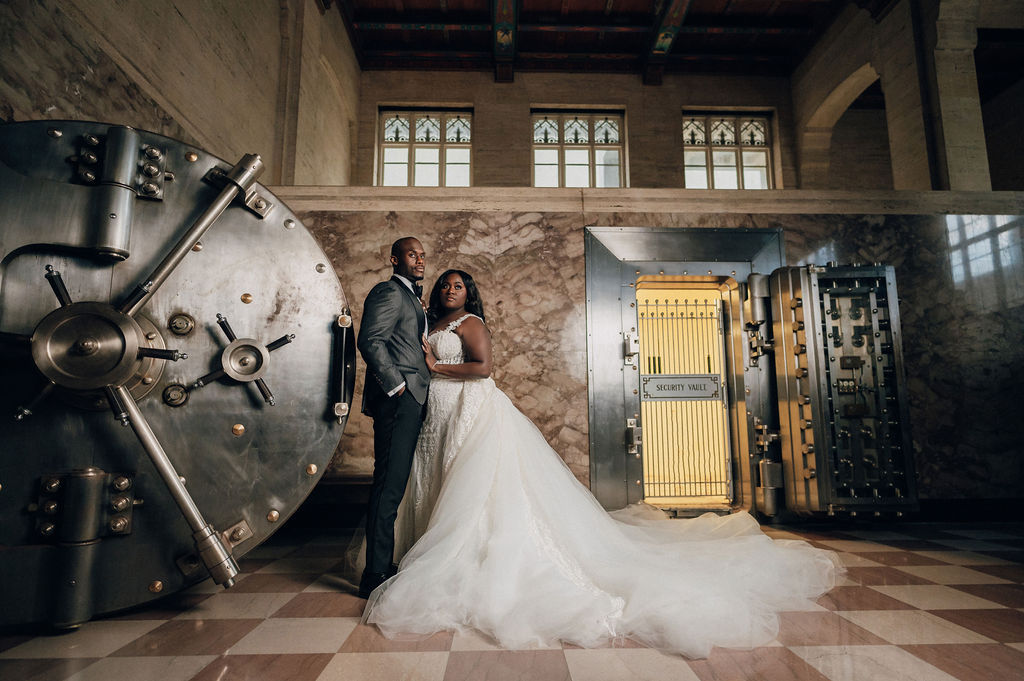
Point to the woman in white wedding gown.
(510, 544)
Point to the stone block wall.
(277, 78)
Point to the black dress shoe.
(370, 581)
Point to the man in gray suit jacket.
(394, 395)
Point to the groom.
(394, 395)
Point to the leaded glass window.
(439, 155)
(427, 129)
(723, 131)
(458, 130)
(606, 131)
(725, 151)
(396, 128)
(576, 131)
(693, 132)
(545, 130)
(577, 149)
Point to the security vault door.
(719, 378)
(683, 407)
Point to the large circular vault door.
(178, 360)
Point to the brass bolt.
(273, 516)
(156, 586)
(238, 430)
(246, 298)
(311, 469)
(191, 157)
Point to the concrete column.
(962, 132)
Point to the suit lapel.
(421, 316)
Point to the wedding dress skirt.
(516, 548)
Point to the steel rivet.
(273, 516)
(311, 469)
(147, 380)
(321, 268)
(238, 430)
(289, 224)
(198, 247)
(246, 298)
(156, 586)
(54, 132)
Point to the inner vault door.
(683, 405)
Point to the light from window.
(438, 155)
(986, 258)
(725, 152)
(577, 150)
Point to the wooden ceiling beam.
(665, 34)
(504, 19)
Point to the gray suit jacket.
(389, 341)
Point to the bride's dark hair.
(473, 302)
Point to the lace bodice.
(446, 344)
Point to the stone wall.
(859, 155)
(963, 358)
(268, 77)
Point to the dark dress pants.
(396, 426)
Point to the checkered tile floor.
(920, 602)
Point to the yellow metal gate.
(684, 411)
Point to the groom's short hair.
(396, 248)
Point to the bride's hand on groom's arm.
(428, 355)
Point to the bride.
(509, 543)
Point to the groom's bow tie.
(417, 289)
